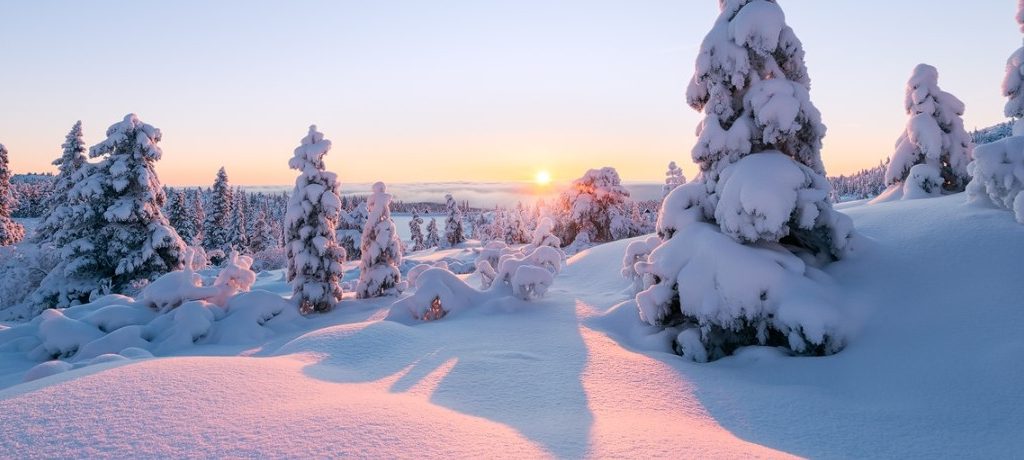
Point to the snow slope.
(934, 369)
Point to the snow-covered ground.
(933, 369)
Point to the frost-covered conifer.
(934, 135)
(198, 215)
(416, 231)
(997, 166)
(596, 206)
(262, 237)
(72, 160)
(314, 257)
(179, 216)
(217, 228)
(350, 228)
(116, 237)
(381, 249)
(239, 221)
(11, 232)
(673, 178)
(433, 238)
(1013, 82)
(453, 232)
(725, 274)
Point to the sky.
(457, 90)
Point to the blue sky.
(457, 90)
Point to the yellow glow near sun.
(542, 177)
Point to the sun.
(543, 177)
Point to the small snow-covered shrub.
(437, 293)
(924, 181)
(269, 259)
(638, 251)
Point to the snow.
(931, 369)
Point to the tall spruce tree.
(314, 257)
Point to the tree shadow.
(508, 361)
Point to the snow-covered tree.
(673, 178)
(350, 229)
(198, 214)
(595, 205)
(453, 232)
(416, 231)
(739, 243)
(217, 228)
(433, 238)
(262, 237)
(179, 216)
(997, 167)
(116, 237)
(239, 221)
(381, 249)
(314, 257)
(72, 160)
(934, 135)
(11, 232)
(1013, 82)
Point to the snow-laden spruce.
(11, 232)
(433, 239)
(350, 229)
(381, 249)
(934, 136)
(314, 257)
(735, 266)
(217, 230)
(239, 221)
(416, 231)
(998, 167)
(180, 217)
(453, 231)
(71, 161)
(673, 178)
(115, 237)
(1013, 82)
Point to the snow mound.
(998, 171)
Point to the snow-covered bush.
(270, 259)
(453, 232)
(71, 161)
(636, 252)
(176, 288)
(732, 267)
(314, 257)
(543, 235)
(11, 232)
(924, 181)
(437, 293)
(934, 135)
(381, 249)
(673, 178)
(22, 269)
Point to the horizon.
(477, 91)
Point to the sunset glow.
(542, 178)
